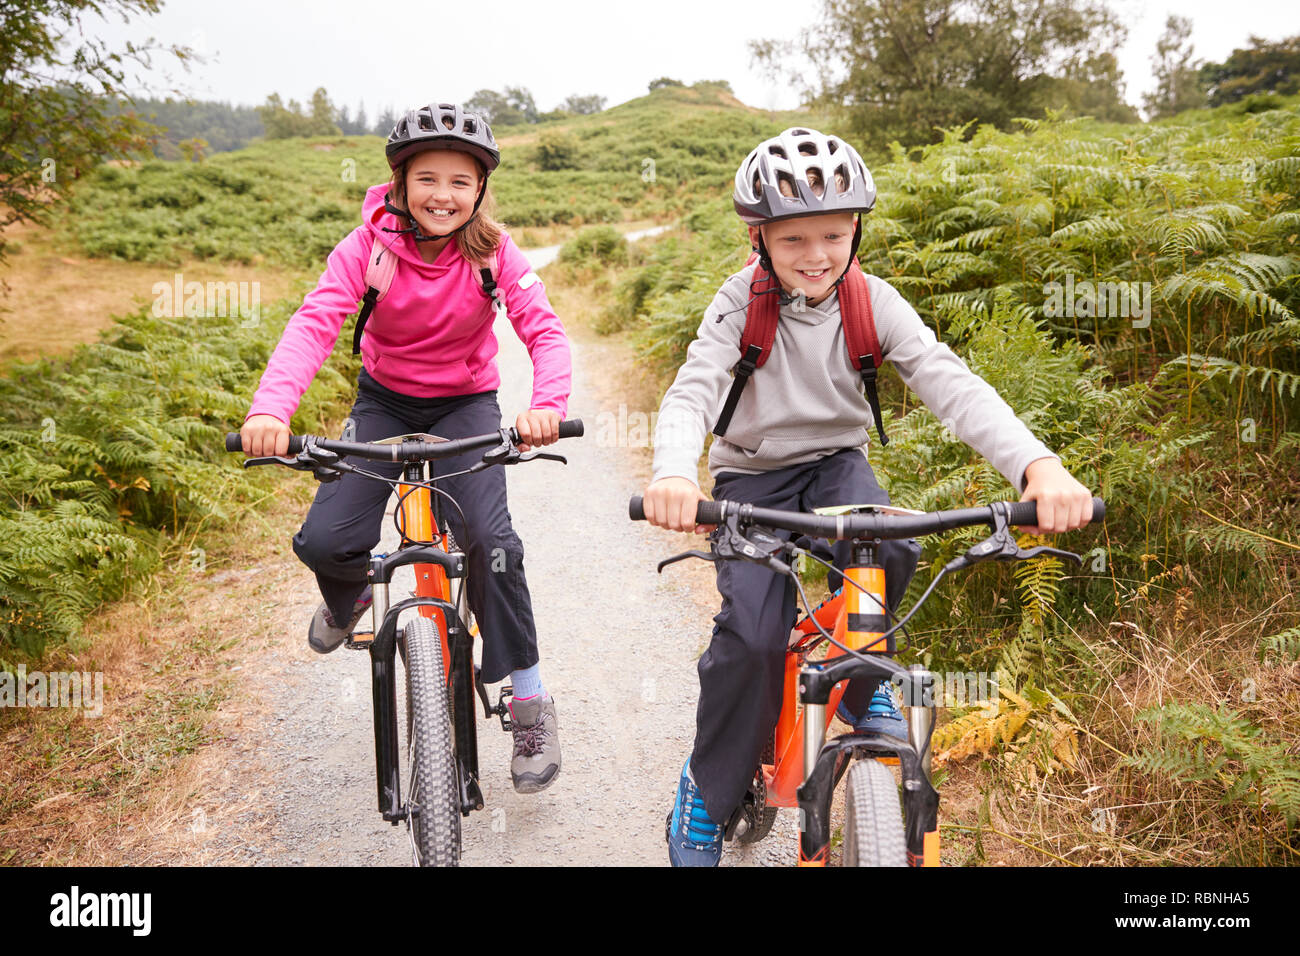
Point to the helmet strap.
(853, 254)
(764, 259)
(414, 228)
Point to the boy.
(795, 440)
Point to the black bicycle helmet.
(442, 126)
(801, 173)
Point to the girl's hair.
(477, 241)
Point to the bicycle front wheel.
(873, 822)
(433, 796)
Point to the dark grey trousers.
(344, 522)
(743, 669)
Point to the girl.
(428, 366)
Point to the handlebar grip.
(1026, 512)
(706, 512)
(571, 428)
(235, 443)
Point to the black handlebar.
(838, 527)
(430, 450)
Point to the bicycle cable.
(845, 580)
(851, 651)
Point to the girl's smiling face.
(442, 186)
(809, 252)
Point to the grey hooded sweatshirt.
(806, 402)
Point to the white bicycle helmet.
(801, 172)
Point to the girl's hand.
(537, 426)
(1063, 503)
(265, 435)
(670, 503)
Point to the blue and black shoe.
(693, 838)
(882, 715)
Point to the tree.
(1178, 85)
(510, 108)
(1090, 87)
(897, 69)
(1263, 68)
(663, 82)
(520, 99)
(61, 98)
(494, 108)
(323, 115)
(360, 127)
(386, 121)
(583, 105)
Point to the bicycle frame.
(807, 767)
(435, 567)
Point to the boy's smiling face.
(809, 252)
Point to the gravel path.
(619, 645)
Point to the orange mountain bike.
(436, 645)
(800, 767)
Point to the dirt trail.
(619, 645)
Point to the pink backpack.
(379, 276)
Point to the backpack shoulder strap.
(380, 267)
(756, 340)
(486, 273)
(860, 337)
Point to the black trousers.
(742, 671)
(344, 522)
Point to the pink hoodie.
(431, 336)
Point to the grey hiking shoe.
(323, 635)
(536, 729)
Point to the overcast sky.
(403, 52)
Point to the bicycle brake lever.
(530, 455)
(702, 555)
(272, 460)
(1055, 552)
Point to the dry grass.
(1183, 643)
(119, 789)
(57, 299)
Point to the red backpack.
(760, 332)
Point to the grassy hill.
(288, 202)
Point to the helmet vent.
(424, 121)
(470, 127)
(841, 179)
(816, 181)
(785, 183)
(807, 149)
(777, 151)
(832, 145)
(448, 121)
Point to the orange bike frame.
(856, 620)
(430, 580)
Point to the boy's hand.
(670, 503)
(1063, 503)
(265, 435)
(537, 426)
